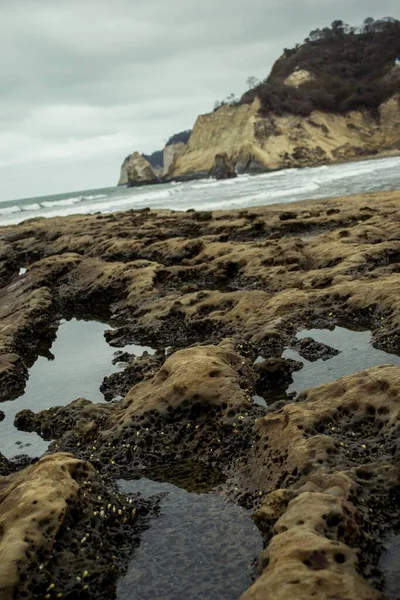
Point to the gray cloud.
(85, 82)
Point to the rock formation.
(174, 148)
(123, 177)
(139, 171)
(222, 168)
(317, 106)
(171, 153)
(254, 143)
(298, 77)
(212, 291)
(49, 547)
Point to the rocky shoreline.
(211, 291)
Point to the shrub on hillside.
(350, 70)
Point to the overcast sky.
(86, 82)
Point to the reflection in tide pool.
(78, 361)
(356, 354)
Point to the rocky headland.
(211, 292)
(333, 98)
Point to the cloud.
(86, 82)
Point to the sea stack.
(139, 171)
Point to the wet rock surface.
(219, 288)
(137, 368)
(312, 350)
(64, 533)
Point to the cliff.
(333, 98)
(255, 143)
(156, 159)
(171, 153)
(174, 148)
(123, 176)
(336, 97)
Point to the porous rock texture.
(196, 406)
(219, 289)
(327, 469)
(63, 533)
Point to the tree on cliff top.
(182, 136)
(347, 68)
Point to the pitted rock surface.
(63, 532)
(321, 471)
(197, 405)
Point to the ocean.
(286, 185)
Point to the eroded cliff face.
(171, 153)
(123, 176)
(253, 142)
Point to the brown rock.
(197, 404)
(54, 538)
(179, 280)
(342, 424)
(306, 556)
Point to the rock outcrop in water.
(139, 171)
(161, 161)
(212, 291)
(123, 175)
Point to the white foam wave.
(63, 202)
(278, 186)
(29, 207)
(293, 192)
(94, 197)
(9, 210)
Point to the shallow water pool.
(74, 367)
(356, 353)
(199, 547)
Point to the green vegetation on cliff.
(348, 69)
(182, 136)
(156, 159)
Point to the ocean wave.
(294, 192)
(95, 197)
(29, 207)
(63, 202)
(135, 198)
(9, 210)
(280, 186)
(35, 206)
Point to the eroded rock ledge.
(219, 288)
(64, 534)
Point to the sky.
(83, 83)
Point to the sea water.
(286, 185)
